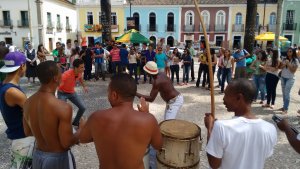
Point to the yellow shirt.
(202, 58)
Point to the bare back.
(165, 87)
(122, 135)
(44, 113)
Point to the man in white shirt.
(244, 142)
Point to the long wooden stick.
(211, 77)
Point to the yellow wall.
(82, 12)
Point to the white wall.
(15, 7)
(64, 10)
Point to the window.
(220, 18)
(205, 16)
(238, 19)
(24, 18)
(136, 17)
(189, 18)
(67, 22)
(219, 40)
(6, 18)
(152, 21)
(273, 18)
(257, 19)
(90, 19)
(99, 17)
(58, 19)
(290, 14)
(170, 22)
(49, 20)
(114, 18)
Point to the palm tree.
(106, 19)
(250, 25)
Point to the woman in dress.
(31, 63)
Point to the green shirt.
(55, 54)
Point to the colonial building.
(89, 19)
(291, 20)
(156, 20)
(19, 22)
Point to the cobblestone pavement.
(197, 102)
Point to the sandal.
(265, 105)
(284, 112)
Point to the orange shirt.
(68, 81)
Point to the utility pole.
(30, 23)
(278, 22)
(40, 21)
(106, 19)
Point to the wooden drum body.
(181, 145)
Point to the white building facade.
(19, 20)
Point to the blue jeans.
(116, 65)
(219, 74)
(226, 75)
(260, 83)
(75, 99)
(133, 68)
(286, 84)
(186, 73)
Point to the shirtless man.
(121, 134)
(164, 86)
(48, 119)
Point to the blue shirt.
(161, 59)
(241, 63)
(150, 55)
(13, 116)
(99, 52)
(124, 56)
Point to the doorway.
(236, 41)
(219, 40)
(91, 41)
(8, 41)
(153, 41)
(170, 41)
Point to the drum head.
(179, 129)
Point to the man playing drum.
(164, 86)
(244, 141)
(121, 134)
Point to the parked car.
(179, 50)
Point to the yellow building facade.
(266, 22)
(89, 19)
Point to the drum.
(146, 159)
(181, 145)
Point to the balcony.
(59, 26)
(220, 28)
(170, 28)
(189, 28)
(50, 25)
(206, 28)
(152, 28)
(6, 23)
(23, 23)
(271, 28)
(238, 28)
(289, 26)
(68, 28)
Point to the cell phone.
(278, 119)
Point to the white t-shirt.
(286, 73)
(242, 143)
(132, 59)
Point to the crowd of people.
(42, 124)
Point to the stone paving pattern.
(196, 103)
